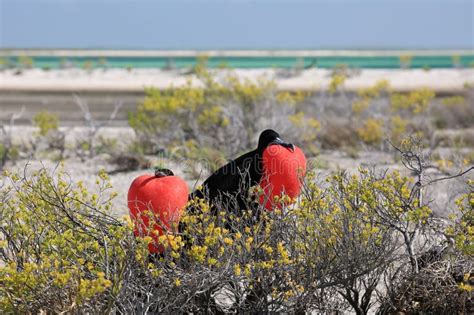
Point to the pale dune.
(440, 80)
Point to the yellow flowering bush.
(371, 132)
(455, 100)
(218, 112)
(359, 106)
(398, 127)
(62, 250)
(381, 86)
(462, 227)
(307, 128)
(337, 81)
(415, 102)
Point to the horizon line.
(229, 52)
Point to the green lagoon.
(249, 62)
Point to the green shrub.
(46, 122)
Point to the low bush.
(371, 132)
(223, 113)
(336, 83)
(49, 137)
(454, 112)
(46, 122)
(61, 250)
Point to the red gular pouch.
(283, 172)
(156, 204)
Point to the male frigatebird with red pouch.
(229, 185)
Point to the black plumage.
(229, 185)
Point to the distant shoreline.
(5, 52)
(136, 80)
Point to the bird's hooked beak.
(279, 141)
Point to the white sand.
(441, 80)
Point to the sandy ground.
(441, 80)
(54, 90)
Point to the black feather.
(229, 185)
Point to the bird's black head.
(269, 137)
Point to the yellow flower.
(237, 270)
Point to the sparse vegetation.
(86, 146)
(371, 132)
(25, 62)
(361, 241)
(336, 83)
(8, 151)
(405, 61)
(330, 252)
(46, 122)
(223, 114)
(49, 136)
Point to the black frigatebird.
(229, 185)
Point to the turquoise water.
(248, 62)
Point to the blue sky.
(237, 24)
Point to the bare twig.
(462, 173)
(93, 125)
(7, 133)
